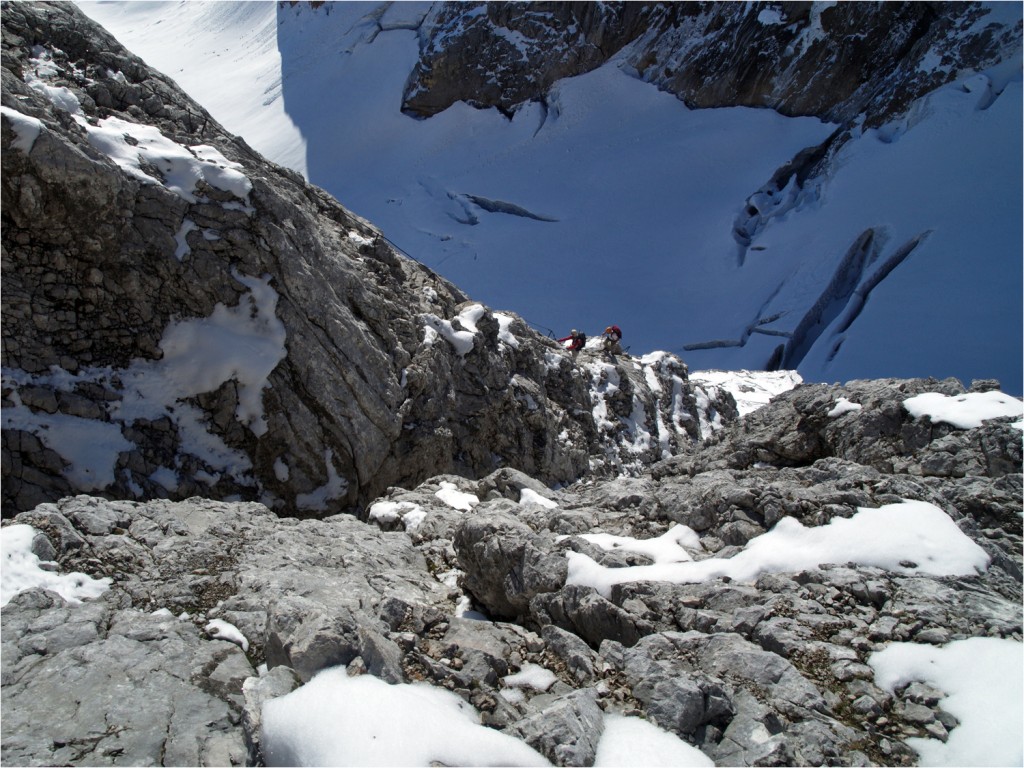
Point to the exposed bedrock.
(770, 669)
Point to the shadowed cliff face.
(182, 317)
(833, 61)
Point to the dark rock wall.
(830, 61)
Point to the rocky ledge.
(752, 640)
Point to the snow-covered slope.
(618, 204)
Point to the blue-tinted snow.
(645, 194)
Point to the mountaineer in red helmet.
(612, 336)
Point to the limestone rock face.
(305, 594)
(182, 317)
(834, 62)
(460, 583)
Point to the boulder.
(506, 564)
(567, 731)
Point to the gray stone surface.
(506, 563)
(567, 731)
(132, 689)
(771, 672)
(306, 594)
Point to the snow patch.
(22, 570)
(770, 17)
(222, 630)
(982, 679)
(631, 742)
(750, 389)
(242, 343)
(26, 129)
(166, 478)
(89, 447)
(963, 411)
(504, 334)
(456, 499)
(335, 719)
(359, 239)
(843, 406)
(910, 537)
(388, 512)
(530, 496)
(183, 249)
(462, 341)
(333, 489)
(144, 153)
(531, 676)
(670, 547)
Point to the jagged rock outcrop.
(830, 61)
(183, 318)
(770, 667)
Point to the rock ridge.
(208, 324)
(834, 62)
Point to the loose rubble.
(771, 671)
